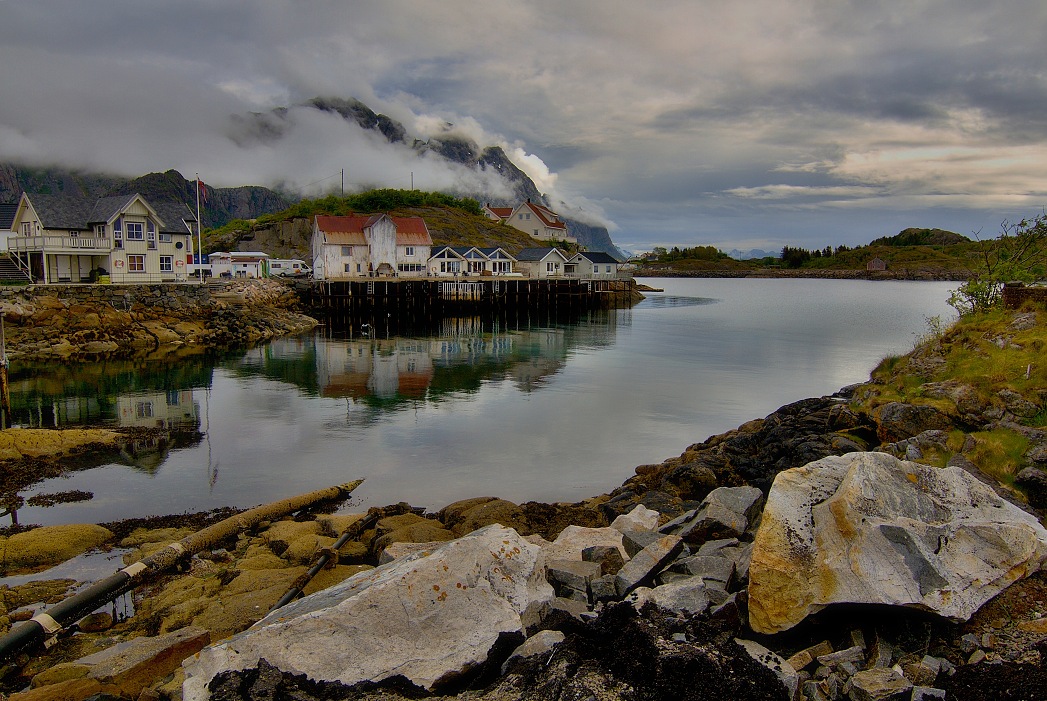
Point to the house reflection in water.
(171, 409)
(383, 368)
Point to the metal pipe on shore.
(43, 627)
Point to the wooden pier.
(435, 297)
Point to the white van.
(289, 267)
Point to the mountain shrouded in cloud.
(446, 160)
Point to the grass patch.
(999, 454)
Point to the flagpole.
(199, 228)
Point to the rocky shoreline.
(639, 648)
(660, 589)
(84, 322)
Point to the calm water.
(543, 411)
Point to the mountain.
(749, 254)
(259, 129)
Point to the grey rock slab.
(541, 643)
(708, 567)
(689, 596)
(574, 574)
(426, 617)
(937, 540)
(635, 541)
(639, 519)
(646, 562)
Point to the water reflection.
(388, 372)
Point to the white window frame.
(169, 261)
(135, 231)
(409, 251)
(347, 251)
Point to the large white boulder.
(868, 528)
(426, 616)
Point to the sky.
(755, 124)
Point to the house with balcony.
(123, 239)
(593, 265)
(542, 263)
(454, 261)
(369, 245)
(532, 218)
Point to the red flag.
(201, 189)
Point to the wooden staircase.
(10, 272)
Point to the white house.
(532, 218)
(593, 265)
(454, 261)
(254, 264)
(369, 245)
(128, 239)
(541, 263)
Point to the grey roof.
(491, 251)
(174, 215)
(532, 254)
(105, 208)
(7, 215)
(62, 211)
(598, 257)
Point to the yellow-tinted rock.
(16, 443)
(424, 531)
(329, 577)
(245, 600)
(304, 550)
(498, 511)
(156, 535)
(335, 524)
(49, 545)
(61, 672)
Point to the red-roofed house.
(530, 217)
(369, 245)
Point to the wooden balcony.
(60, 244)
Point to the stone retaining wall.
(173, 297)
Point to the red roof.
(501, 212)
(349, 230)
(548, 216)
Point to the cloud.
(680, 122)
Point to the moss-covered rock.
(49, 545)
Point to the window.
(551, 266)
(152, 240)
(347, 250)
(134, 231)
(409, 251)
(349, 267)
(359, 267)
(144, 410)
(118, 239)
(136, 264)
(165, 238)
(410, 267)
(166, 264)
(118, 227)
(608, 269)
(100, 230)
